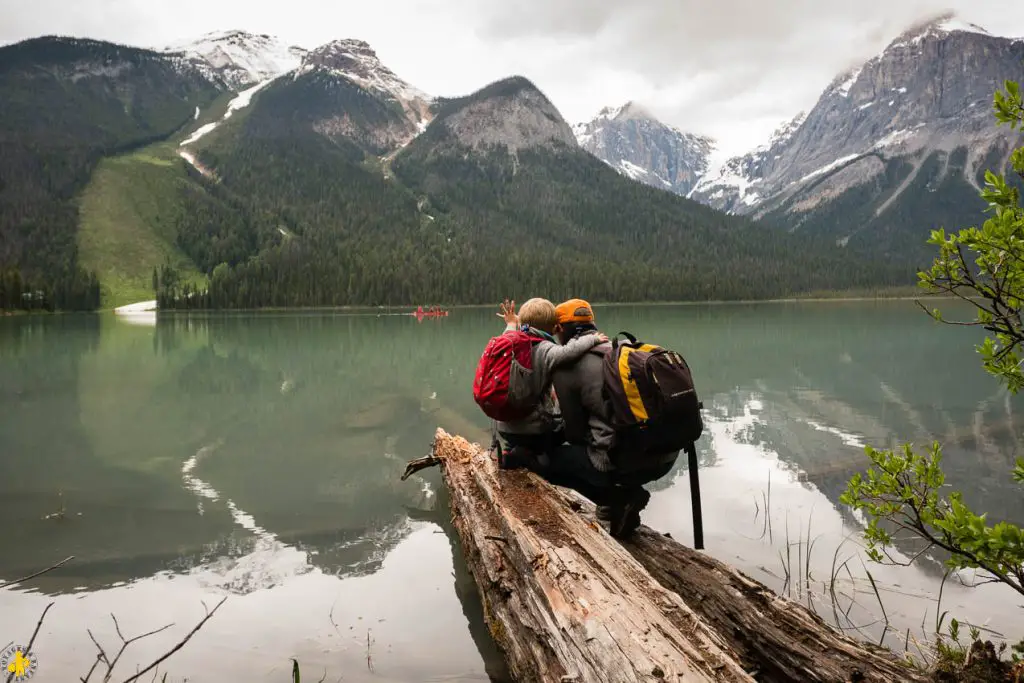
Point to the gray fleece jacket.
(545, 357)
(581, 400)
(587, 416)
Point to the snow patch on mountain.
(733, 173)
(849, 80)
(198, 133)
(635, 172)
(239, 58)
(244, 99)
(828, 167)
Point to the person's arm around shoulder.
(554, 355)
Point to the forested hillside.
(303, 218)
(66, 104)
(322, 191)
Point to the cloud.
(732, 68)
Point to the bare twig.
(32, 640)
(100, 657)
(32, 576)
(180, 644)
(126, 643)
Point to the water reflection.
(257, 456)
(221, 460)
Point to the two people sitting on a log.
(566, 435)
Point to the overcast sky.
(733, 69)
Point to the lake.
(257, 456)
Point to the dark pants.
(568, 465)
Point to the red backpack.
(493, 374)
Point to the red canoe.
(429, 313)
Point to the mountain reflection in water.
(258, 457)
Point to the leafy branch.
(901, 491)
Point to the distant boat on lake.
(433, 312)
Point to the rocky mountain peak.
(356, 61)
(348, 54)
(929, 90)
(511, 113)
(937, 27)
(624, 112)
(632, 141)
(920, 40)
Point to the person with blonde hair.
(525, 442)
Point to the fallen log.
(566, 602)
(777, 639)
(561, 601)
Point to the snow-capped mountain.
(735, 183)
(925, 99)
(239, 59)
(635, 143)
(355, 61)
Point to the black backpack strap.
(627, 335)
(495, 441)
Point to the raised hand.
(507, 311)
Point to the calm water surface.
(258, 457)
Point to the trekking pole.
(698, 520)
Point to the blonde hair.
(538, 313)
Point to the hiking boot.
(626, 515)
(516, 458)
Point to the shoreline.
(402, 309)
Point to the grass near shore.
(128, 223)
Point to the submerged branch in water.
(40, 573)
(418, 464)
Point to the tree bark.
(562, 600)
(566, 602)
(777, 639)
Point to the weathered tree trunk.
(776, 639)
(567, 602)
(563, 601)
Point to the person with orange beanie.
(592, 461)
